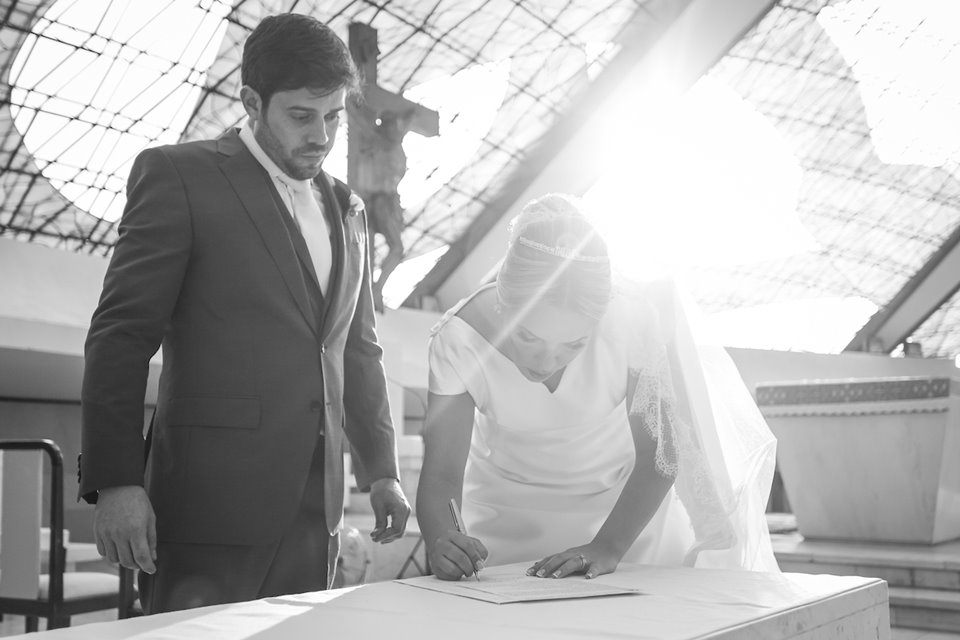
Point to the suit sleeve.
(368, 425)
(140, 292)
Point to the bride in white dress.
(579, 425)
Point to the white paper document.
(502, 587)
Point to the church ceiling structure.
(533, 56)
(86, 84)
(880, 159)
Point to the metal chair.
(24, 590)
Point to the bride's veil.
(710, 436)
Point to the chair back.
(21, 500)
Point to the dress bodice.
(577, 435)
(546, 468)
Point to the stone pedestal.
(869, 459)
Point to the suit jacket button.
(323, 348)
(316, 405)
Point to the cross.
(375, 158)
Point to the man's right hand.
(124, 528)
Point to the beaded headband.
(561, 252)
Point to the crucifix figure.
(375, 158)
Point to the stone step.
(931, 609)
(934, 567)
(924, 580)
(907, 577)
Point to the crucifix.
(375, 158)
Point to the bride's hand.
(590, 559)
(454, 555)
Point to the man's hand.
(124, 528)
(388, 502)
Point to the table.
(677, 603)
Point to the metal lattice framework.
(877, 222)
(546, 48)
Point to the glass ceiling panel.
(90, 83)
(852, 107)
(796, 191)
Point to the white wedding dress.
(545, 468)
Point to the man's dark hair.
(293, 51)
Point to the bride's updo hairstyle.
(556, 256)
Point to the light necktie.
(313, 226)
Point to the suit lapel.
(334, 214)
(257, 194)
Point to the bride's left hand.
(589, 559)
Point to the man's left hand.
(389, 505)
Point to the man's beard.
(273, 148)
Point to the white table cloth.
(676, 604)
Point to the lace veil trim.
(681, 453)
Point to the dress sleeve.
(454, 359)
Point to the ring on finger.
(583, 561)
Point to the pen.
(461, 527)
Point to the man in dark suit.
(248, 264)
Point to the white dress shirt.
(303, 203)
